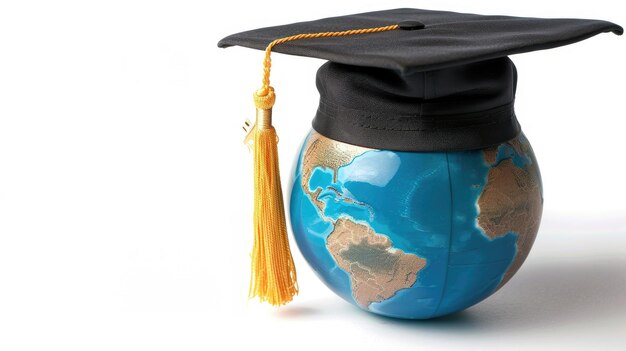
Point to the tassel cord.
(274, 277)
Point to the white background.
(125, 190)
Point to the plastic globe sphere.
(415, 234)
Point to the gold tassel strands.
(273, 276)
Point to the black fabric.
(447, 86)
(448, 39)
(458, 108)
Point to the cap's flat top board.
(447, 39)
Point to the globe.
(415, 235)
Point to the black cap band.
(459, 108)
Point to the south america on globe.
(415, 234)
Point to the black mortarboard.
(417, 80)
(444, 83)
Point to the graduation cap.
(405, 80)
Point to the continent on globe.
(377, 270)
(511, 200)
(323, 153)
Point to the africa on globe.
(415, 234)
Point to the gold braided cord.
(267, 63)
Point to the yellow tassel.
(273, 271)
(273, 276)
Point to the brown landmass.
(490, 154)
(512, 202)
(522, 147)
(377, 270)
(325, 153)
